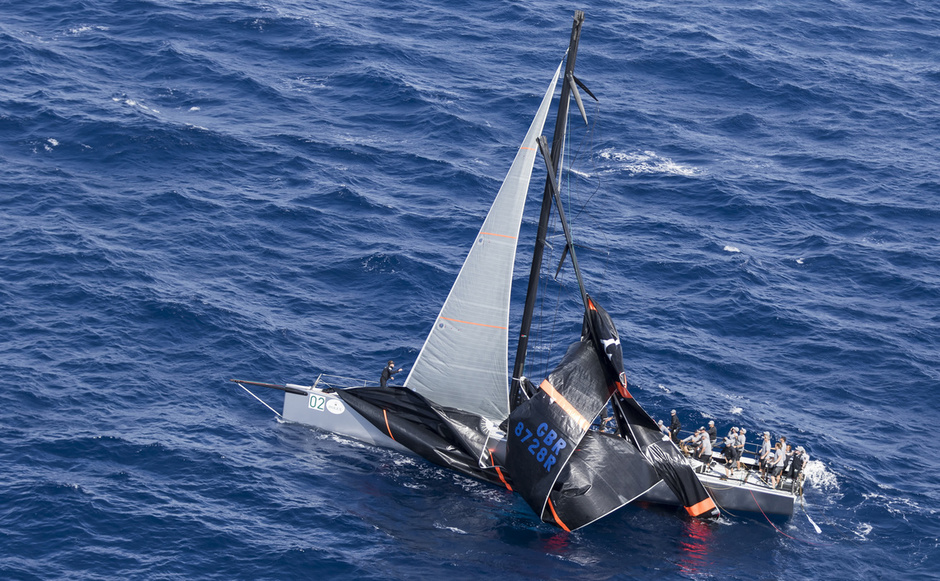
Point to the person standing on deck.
(387, 373)
(674, 426)
(705, 451)
(764, 460)
(799, 461)
(780, 456)
(728, 451)
(739, 447)
(712, 432)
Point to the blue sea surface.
(195, 191)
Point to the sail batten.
(464, 363)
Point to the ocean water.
(195, 191)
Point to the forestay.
(464, 361)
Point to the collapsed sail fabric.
(446, 437)
(661, 452)
(546, 430)
(606, 473)
(599, 325)
(566, 473)
(668, 461)
(464, 361)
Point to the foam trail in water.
(647, 162)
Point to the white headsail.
(464, 361)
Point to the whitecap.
(85, 28)
(451, 529)
(133, 103)
(898, 506)
(862, 530)
(648, 162)
(729, 248)
(736, 411)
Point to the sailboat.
(461, 409)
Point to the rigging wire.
(259, 399)
(545, 334)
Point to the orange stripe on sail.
(387, 427)
(565, 405)
(500, 235)
(702, 507)
(472, 323)
(555, 516)
(529, 148)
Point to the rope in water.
(780, 531)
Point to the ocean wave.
(196, 191)
(646, 162)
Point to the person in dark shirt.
(730, 440)
(712, 432)
(387, 373)
(674, 426)
(797, 463)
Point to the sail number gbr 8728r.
(544, 444)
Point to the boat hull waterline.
(326, 411)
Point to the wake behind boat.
(460, 408)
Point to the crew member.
(705, 450)
(739, 447)
(780, 456)
(387, 373)
(799, 461)
(730, 440)
(663, 429)
(674, 426)
(764, 460)
(692, 441)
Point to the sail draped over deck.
(464, 361)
